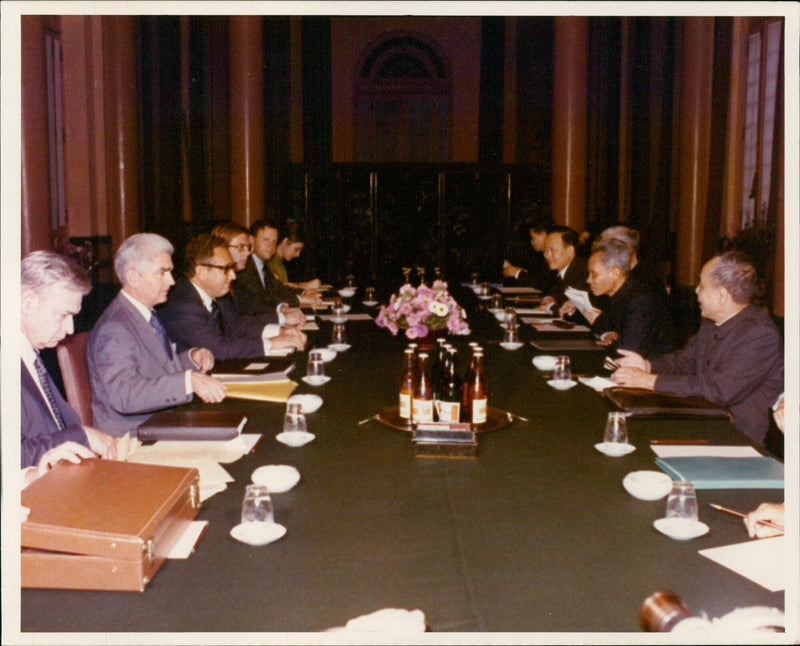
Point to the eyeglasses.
(225, 268)
(241, 247)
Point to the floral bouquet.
(420, 310)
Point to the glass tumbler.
(257, 505)
(682, 501)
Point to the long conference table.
(535, 535)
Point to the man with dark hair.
(53, 287)
(736, 357)
(560, 251)
(633, 317)
(644, 273)
(200, 311)
(535, 272)
(133, 365)
(257, 278)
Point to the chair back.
(71, 353)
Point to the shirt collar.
(205, 297)
(721, 323)
(28, 352)
(564, 271)
(259, 263)
(144, 311)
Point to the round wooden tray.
(495, 418)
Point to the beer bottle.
(479, 395)
(422, 402)
(466, 406)
(407, 385)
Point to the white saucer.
(316, 380)
(338, 319)
(485, 297)
(512, 345)
(295, 439)
(496, 311)
(326, 353)
(561, 384)
(681, 529)
(647, 485)
(339, 347)
(615, 450)
(347, 292)
(308, 402)
(258, 533)
(276, 477)
(544, 362)
(369, 303)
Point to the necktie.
(216, 314)
(161, 333)
(44, 379)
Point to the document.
(185, 545)
(598, 383)
(579, 298)
(760, 560)
(685, 450)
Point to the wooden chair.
(71, 353)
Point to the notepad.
(725, 473)
(760, 561)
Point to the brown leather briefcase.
(104, 525)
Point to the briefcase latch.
(194, 495)
(148, 547)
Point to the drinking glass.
(338, 311)
(562, 370)
(682, 501)
(316, 367)
(473, 277)
(510, 319)
(257, 505)
(295, 420)
(370, 294)
(484, 290)
(339, 336)
(511, 335)
(315, 354)
(616, 428)
(497, 302)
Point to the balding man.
(134, 367)
(53, 288)
(736, 357)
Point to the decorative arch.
(403, 100)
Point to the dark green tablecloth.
(537, 534)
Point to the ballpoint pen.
(733, 512)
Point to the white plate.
(347, 292)
(295, 439)
(369, 303)
(276, 477)
(339, 347)
(485, 297)
(309, 403)
(647, 485)
(615, 449)
(681, 529)
(512, 345)
(561, 384)
(316, 380)
(545, 362)
(258, 533)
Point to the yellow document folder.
(265, 391)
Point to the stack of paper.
(267, 391)
(760, 561)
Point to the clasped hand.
(634, 371)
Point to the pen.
(733, 512)
(679, 441)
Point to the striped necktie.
(216, 314)
(161, 333)
(44, 380)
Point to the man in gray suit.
(134, 368)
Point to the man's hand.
(607, 338)
(634, 378)
(546, 304)
(208, 388)
(510, 271)
(69, 451)
(633, 360)
(310, 298)
(293, 316)
(288, 338)
(101, 443)
(567, 308)
(770, 511)
(591, 314)
(203, 358)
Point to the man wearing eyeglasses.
(200, 311)
(134, 367)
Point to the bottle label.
(479, 411)
(405, 406)
(448, 411)
(422, 410)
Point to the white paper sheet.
(189, 452)
(545, 326)
(533, 310)
(579, 298)
(282, 352)
(685, 450)
(598, 383)
(760, 560)
(186, 543)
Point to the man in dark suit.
(53, 288)
(560, 251)
(643, 272)
(633, 317)
(534, 270)
(133, 365)
(736, 357)
(260, 283)
(200, 312)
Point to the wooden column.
(247, 125)
(121, 142)
(694, 146)
(36, 230)
(570, 56)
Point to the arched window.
(403, 101)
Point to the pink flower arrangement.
(422, 309)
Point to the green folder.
(725, 473)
